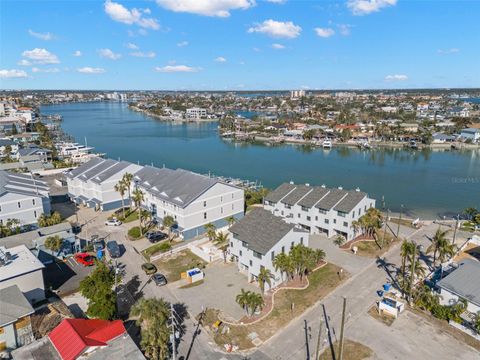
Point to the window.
(326, 221)
(35, 214)
(287, 206)
(251, 263)
(316, 218)
(283, 249)
(0, 208)
(345, 224)
(244, 244)
(304, 208)
(301, 240)
(299, 216)
(257, 255)
(233, 206)
(341, 214)
(204, 204)
(205, 215)
(33, 201)
(232, 195)
(241, 253)
(282, 212)
(273, 255)
(231, 243)
(322, 211)
(334, 221)
(292, 245)
(221, 198)
(19, 206)
(365, 207)
(175, 217)
(309, 218)
(221, 210)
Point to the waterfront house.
(256, 239)
(319, 209)
(23, 198)
(93, 183)
(193, 200)
(3, 145)
(472, 134)
(196, 113)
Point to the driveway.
(64, 277)
(222, 284)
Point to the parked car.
(154, 236)
(113, 249)
(159, 279)
(113, 222)
(84, 259)
(149, 268)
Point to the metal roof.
(349, 202)
(107, 174)
(22, 184)
(293, 197)
(331, 199)
(261, 230)
(464, 281)
(13, 305)
(280, 192)
(313, 197)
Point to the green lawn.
(159, 247)
(172, 266)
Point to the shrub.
(134, 232)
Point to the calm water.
(429, 184)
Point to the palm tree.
(283, 263)
(221, 241)
(153, 315)
(255, 301)
(242, 299)
(211, 231)
(168, 222)
(339, 240)
(121, 188)
(446, 250)
(231, 220)
(406, 251)
(127, 180)
(438, 241)
(138, 198)
(264, 277)
(425, 298)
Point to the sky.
(239, 44)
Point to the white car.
(113, 222)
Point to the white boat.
(83, 158)
(327, 144)
(70, 149)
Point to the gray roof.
(98, 170)
(464, 281)
(179, 186)
(5, 142)
(261, 230)
(293, 197)
(30, 238)
(22, 184)
(280, 192)
(13, 305)
(313, 197)
(350, 201)
(84, 167)
(331, 199)
(107, 174)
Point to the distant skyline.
(239, 44)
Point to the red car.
(85, 259)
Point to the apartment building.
(196, 113)
(256, 239)
(23, 198)
(319, 209)
(193, 200)
(93, 183)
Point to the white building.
(470, 133)
(297, 94)
(93, 183)
(256, 239)
(193, 200)
(318, 209)
(196, 113)
(462, 283)
(19, 266)
(22, 197)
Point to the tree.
(406, 252)
(308, 134)
(283, 263)
(54, 243)
(304, 259)
(264, 277)
(138, 198)
(127, 180)
(10, 227)
(439, 241)
(231, 220)
(242, 299)
(46, 220)
(97, 288)
(221, 241)
(339, 240)
(471, 212)
(211, 231)
(255, 302)
(121, 188)
(153, 317)
(169, 222)
(425, 298)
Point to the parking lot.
(64, 277)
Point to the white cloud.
(277, 1)
(12, 74)
(108, 54)
(325, 32)
(220, 59)
(50, 70)
(176, 68)
(278, 46)
(365, 7)
(43, 36)
(24, 62)
(396, 77)
(40, 56)
(77, 53)
(277, 29)
(344, 29)
(148, 54)
(120, 13)
(256, 49)
(182, 43)
(448, 51)
(220, 8)
(132, 46)
(90, 70)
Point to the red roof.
(73, 336)
(24, 108)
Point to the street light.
(399, 220)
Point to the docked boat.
(71, 149)
(327, 144)
(413, 145)
(83, 158)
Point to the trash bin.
(387, 286)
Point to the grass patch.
(160, 247)
(172, 266)
(322, 282)
(403, 222)
(352, 350)
(134, 233)
(371, 249)
(386, 319)
(188, 286)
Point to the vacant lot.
(173, 265)
(352, 350)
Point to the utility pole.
(399, 220)
(385, 229)
(317, 351)
(412, 276)
(342, 330)
(455, 231)
(172, 337)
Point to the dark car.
(154, 236)
(159, 279)
(149, 268)
(113, 249)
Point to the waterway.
(429, 184)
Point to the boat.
(83, 158)
(69, 149)
(327, 144)
(413, 145)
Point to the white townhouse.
(318, 209)
(256, 239)
(93, 183)
(471, 133)
(196, 113)
(193, 200)
(23, 198)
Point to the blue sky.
(239, 44)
